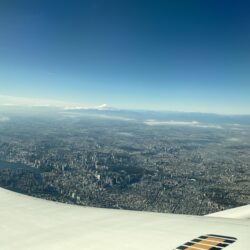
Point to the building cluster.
(128, 166)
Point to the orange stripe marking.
(199, 246)
(218, 240)
(208, 244)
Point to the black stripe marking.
(196, 240)
(221, 236)
(181, 248)
(188, 243)
(227, 240)
(222, 245)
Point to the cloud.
(181, 123)
(4, 119)
(100, 107)
(233, 139)
(37, 102)
(125, 134)
(75, 108)
(103, 106)
(23, 101)
(99, 116)
(111, 117)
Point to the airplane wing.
(30, 223)
(234, 213)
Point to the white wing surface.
(234, 213)
(30, 223)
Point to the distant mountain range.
(106, 112)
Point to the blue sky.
(162, 55)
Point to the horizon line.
(27, 102)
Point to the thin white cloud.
(23, 101)
(111, 117)
(100, 116)
(209, 126)
(233, 139)
(75, 108)
(126, 134)
(100, 107)
(181, 123)
(103, 106)
(4, 119)
(37, 102)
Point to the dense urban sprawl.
(127, 164)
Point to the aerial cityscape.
(124, 124)
(146, 161)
